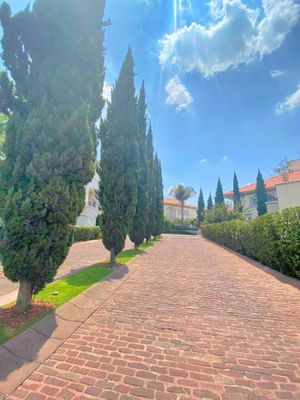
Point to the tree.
(138, 227)
(219, 197)
(201, 207)
(182, 193)
(210, 203)
(3, 125)
(261, 195)
(236, 194)
(283, 169)
(159, 199)
(119, 162)
(50, 145)
(150, 212)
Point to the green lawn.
(71, 286)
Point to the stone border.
(24, 353)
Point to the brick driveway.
(193, 321)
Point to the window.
(171, 212)
(92, 201)
(186, 213)
(253, 201)
(272, 196)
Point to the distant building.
(91, 206)
(172, 210)
(283, 191)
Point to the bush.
(221, 213)
(85, 233)
(179, 228)
(272, 239)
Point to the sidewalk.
(81, 255)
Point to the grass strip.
(70, 287)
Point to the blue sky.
(222, 82)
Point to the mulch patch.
(9, 318)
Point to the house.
(91, 206)
(283, 191)
(172, 210)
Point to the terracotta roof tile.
(176, 203)
(270, 183)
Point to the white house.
(91, 207)
(283, 191)
(172, 210)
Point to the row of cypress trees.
(51, 92)
(131, 188)
(261, 196)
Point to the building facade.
(172, 210)
(283, 191)
(91, 206)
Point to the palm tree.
(182, 193)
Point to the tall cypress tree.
(219, 198)
(138, 227)
(150, 213)
(119, 161)
(236, 194)
(261, 195)
(201, 207)
(50, 145)
(159, 198)
(210, 203)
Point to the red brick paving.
(194, 321)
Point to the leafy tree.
(219, 197)
(261, 195)
(138, 227)
(221, 213)
(182, 194)
(119, 161)
(236, 194)
(159, 199)
(3, 125)
(283, 169)
(150, 212)
(50, 146)
(210, 203)
(201, 207)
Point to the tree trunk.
(182, 212)
(24, 297)
(112, 258)
(136, 247)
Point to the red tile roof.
(270, 183)
(176, 203)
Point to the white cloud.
(107, 91)
(237, 36)
(178, 95)
(204, 161)
(275, 73)
(289, 103)
(224, 158)
(106, 96)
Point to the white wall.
(91, 207)
(288, 195)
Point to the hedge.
(272, 239)
(182, 232)
(85, 233)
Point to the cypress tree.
(236, 194)
(150, 215)
(219, 197)
(201, 207)
(50, 145)
(119, 161)
(159, 198)
(261, 195)
(210, 204)
(138, 227)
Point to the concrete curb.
(23, 354)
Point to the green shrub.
(272, 239)
(85, 233)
